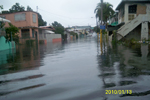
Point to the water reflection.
(75, 70)
(127, 67)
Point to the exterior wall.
(126, 13)
(22, 40)
(148, 9)
(41, 34)
(53, 37)
(136, 34)
(5, 45)
(141, 9)
(25, 23)
(49, 37)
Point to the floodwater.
(76, 70)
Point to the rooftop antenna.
(37, 9)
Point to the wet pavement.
(75, 70)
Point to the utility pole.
(37, 9)
(101, 25)
(101, 12)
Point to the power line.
(62, 15)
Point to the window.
(131, 17)
(132, 8)
(34, 18)
(20, 17)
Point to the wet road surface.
(75, 70)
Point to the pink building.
(27, 22)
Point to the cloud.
(66, 12)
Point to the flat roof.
(19, 12)
(131, 1)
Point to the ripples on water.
(75, 70)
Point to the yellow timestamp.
(118, 92)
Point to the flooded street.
(75, 70)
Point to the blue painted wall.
(6, 45)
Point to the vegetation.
(59, 29)
(74, 34)
(18, 8)
(107, 11)
(41, 22)
(96, 29)
(12, 31)
(1, 6)
(29, 8)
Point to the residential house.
(26, 21)
(47, 34)
(136, 16)
(80, 30)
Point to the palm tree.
(107, 11)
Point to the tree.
(1, 6)
(29, 8)
(59, 29)
(16, 8)
(107, 11)
(41, 21)
(5, 12)
(12, 31)
(96, 29)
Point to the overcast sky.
(66, 12)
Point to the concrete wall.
(53, 37)
(136, 34)
(148, 9)
(126, 13)
(25, 23)
(6, 45)
(49, 37)
(141, 9)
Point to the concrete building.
(136, 16)
(26, 21)
(133, 20)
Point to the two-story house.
(26, 21)
(136, 16)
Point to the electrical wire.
(61, 15)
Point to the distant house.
(26, 21)
(135, 14)
(80, 30)
(47, 34)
